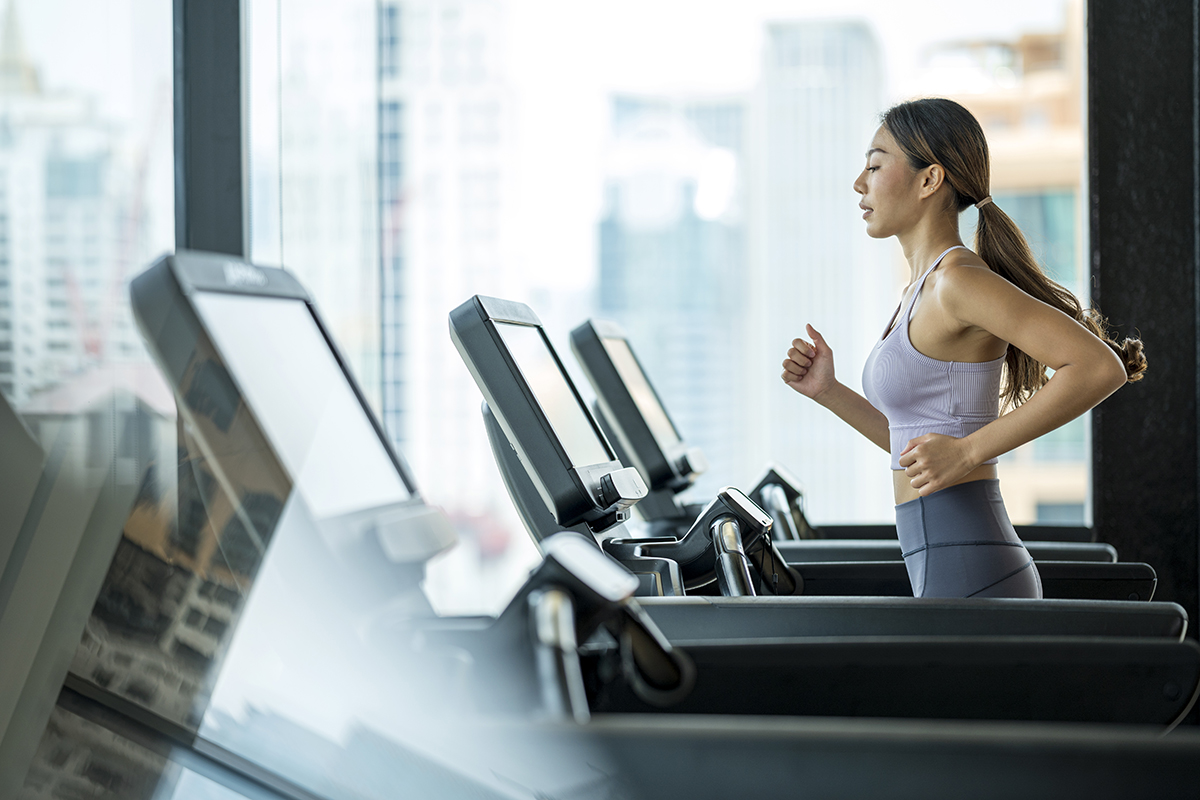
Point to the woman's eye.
(872, 169)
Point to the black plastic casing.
(163, 302)
(571, 492)
(669, 466)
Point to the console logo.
(244, 275)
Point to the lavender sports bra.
(919, 394)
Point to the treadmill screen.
(303, 402)
(568, 418)
(643, 395)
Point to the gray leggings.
(959, 543)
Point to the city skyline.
(719, 48)
(335, 241)
(78, 217)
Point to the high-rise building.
(445, 189)
(813, 116)
(673, 259)
(444, 134)
(70, 229)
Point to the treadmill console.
(633, 409)
(544, 422)
(278, 417)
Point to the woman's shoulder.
(958, 267)
(963, 277)
(962, 257)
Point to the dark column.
(210, 145)
(209, 134)
(1145, 198)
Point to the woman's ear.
(932, 178)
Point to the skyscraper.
(672, 261)
(443, 172)
(445, 178)
(813, 116)
(71, 229)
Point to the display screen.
(643, 394)
(562, 408)
(308, 410)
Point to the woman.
(967, 322)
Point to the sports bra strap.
(912, 301)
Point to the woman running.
(973, 330)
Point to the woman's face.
(890, 188)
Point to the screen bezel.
(658, 464)
(197, 273)
(570, 491)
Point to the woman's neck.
(928, 239)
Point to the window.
(682, 196)
(602, 188)
(86, 201)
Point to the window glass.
(687, 175)
(703, 200)
(314, 167)
(86, 197)
(696, 190)
(79, 758)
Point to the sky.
(648, 45)
(563, 62)
(566, 59)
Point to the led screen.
(643, 395)
(568, 418)
(301, 398)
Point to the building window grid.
(389, 41)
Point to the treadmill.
(574, 645)
(561, 473)
(251, 361)
(523, 382)
(636, 422)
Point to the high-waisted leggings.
(959, 542)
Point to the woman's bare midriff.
(902, 485)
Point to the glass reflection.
(77, 758)
(549, 384)
(303, 402)
(644, 397)
(186, 560)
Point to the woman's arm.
(1086, 371)
(809, 370)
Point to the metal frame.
(173, 741)
(211, 197)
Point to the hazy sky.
(654, 45)
(564, 59)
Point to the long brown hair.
(939, 131)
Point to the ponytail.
(1002, 246)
